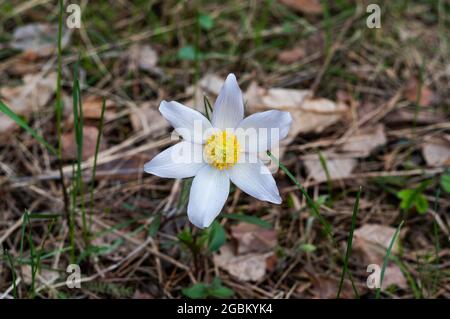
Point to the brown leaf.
(92, 108)
(326, 287)
(370, 244)
(35, 92)
(69, 146)
(148, 118)
(305, 6)
(338, 165)
(248, 267)
(308, 115)
(411, 93)
(142, 57)
(253, 238)
(37, 39)
(365, 141)
(436, 151)
(291, 56)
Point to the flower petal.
(209, 192)
(229, 106)
(189, 123)
(260, 131)
(181, 160)
(255, 180)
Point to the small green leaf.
(445, 182)
(221, 292)
(216, 289)
(217, 237)
(186, 237)
(205, 21)
(188, 53)
(421, 204)
(197, 291)
(249, 219)
(308, 248)
(407, 198)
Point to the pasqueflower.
(219, 151)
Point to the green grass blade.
(349, 242)
(387, 257)
(324, 165)
(94, 168)
(13, 271)
(13, 116)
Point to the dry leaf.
(427, 96)
(148, 118)
(305, 6)
(436, 152)
(364, 142)
(37, 39)
(326, 287)
(308, 115)
(248, 267)
(253, 238)
(35, 92)
(142, 57)
(69, 146)
(370, 244)
(291, 56)
(92, 108)
(338, 165)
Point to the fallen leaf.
(33, 94)
(326, 287)
(69, 147)
(248, 267)
(37, 39)
(142, 57)
(365, 141)
(92, 107)
(305, 6)
(291, 56)
(338, 165)
(393, 276)
(148, 118)
(253, 238)
(436, 151)
(308, 115)
(411, 93)
(370, 244)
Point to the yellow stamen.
(222, 150)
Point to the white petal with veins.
(189, 123)
(209, 192)
(182, 160)
(229, 107)
(260, 131)
(255, 180)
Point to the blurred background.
(368, 89)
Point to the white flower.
(219, 151)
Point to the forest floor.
(370, 109)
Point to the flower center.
(222, 150)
